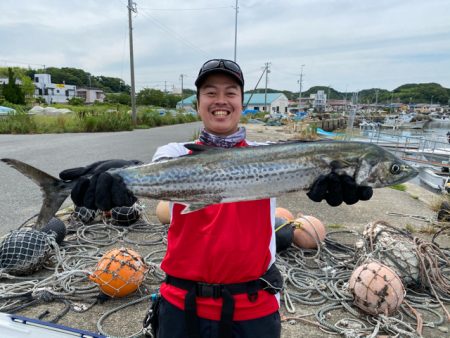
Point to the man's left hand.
(336, 189)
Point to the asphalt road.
(20, 198)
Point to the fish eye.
(395, 169)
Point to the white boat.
(403, 121)
(439, 117)
(435, 179)
(366, 125)
(14, 326)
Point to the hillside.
(407, 93)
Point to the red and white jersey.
(222, 243)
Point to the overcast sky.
(347, 44)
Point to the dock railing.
(416, 148)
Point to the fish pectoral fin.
(200, 148)
(339, 164)
(191, 207)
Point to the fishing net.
(23, 252)
(84, 215)
(395, 248)
(119, 272)
(376, 288)
(126, 215)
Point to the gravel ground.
(410, 209)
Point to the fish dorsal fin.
(200, 148)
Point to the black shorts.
(172, 325)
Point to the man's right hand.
(98, 189)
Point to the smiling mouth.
(221, 113)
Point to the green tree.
(151, 97)
(11, 91)
(122, 98)
(27, 87)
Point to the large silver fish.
(216, 175)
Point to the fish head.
(379, 168)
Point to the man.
(221, 278)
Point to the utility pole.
(265, 91)
(376, 99)
(390, 108)
(300, 92)
(235, 27)
(182, 99)
(132, 8)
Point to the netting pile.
(316, 281)
(24, 251)
(395, 248)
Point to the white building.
(5, 80)
(52, 92)
(320, 100)
(91, 95)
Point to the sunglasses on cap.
(228, 66)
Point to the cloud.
(347, 43)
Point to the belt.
(225, 291)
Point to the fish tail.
(54, 190)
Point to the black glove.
(336, 189)
(96, 188)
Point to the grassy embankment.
(96, 118)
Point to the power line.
(170, 31)
(185, 9)
(22, 63)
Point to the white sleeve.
(170, 150)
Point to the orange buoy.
(284, 213)
(309, 231)
(376, 288)
(163, 212)
(119, 272)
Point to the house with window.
(90, 95)
(5, 80)
(52, 92)
(273, 102)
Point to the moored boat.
(403, 121)
(435, 179)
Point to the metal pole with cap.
(132, 7)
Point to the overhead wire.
(174, 34)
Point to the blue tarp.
(6, 110)
(320, 131)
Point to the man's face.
(220, 104)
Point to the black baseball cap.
(220, 66)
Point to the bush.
(95, 118)
(17, 123)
